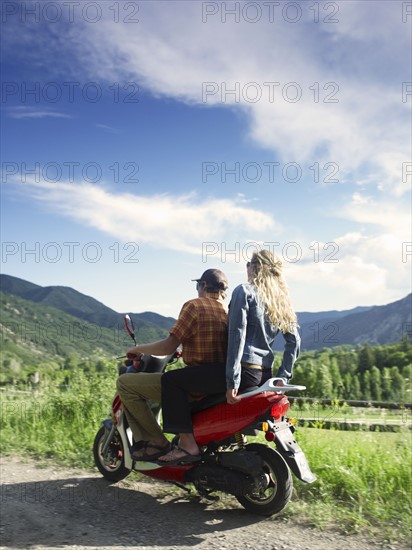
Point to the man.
(201, 329)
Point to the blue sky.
(144, 142)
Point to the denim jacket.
(251, 337)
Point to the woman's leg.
(253, 377)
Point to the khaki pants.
(135, 389)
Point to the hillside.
(35, 330)
(306, 317)
(80, 305)
(375, 325)
(35, 334)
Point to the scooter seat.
(214, 399)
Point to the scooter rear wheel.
(111, 466)
(279, 483)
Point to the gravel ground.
(50, 507)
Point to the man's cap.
(214, 279)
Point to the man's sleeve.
(186, 325)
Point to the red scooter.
(259, 476)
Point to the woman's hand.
(231, 396)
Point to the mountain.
(36, 332)
(149, 317)
(80, 305)
(376, 325)
(305, 317)
(16, 286)
(42, 338)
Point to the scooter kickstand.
(207, 494)
(181, 486)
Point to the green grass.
(323, 412)
(364, 478)
(59, 422)
(364, 481)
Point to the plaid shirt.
(202, 330)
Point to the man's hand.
(231, 396)
(167, 346)
(132, 353)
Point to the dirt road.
(48, 507)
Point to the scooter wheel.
(277, 483)
(111, 465)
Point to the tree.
(407, 376)
(356, 388)
(406, 344)
(398, 385)
(366, 359)
(399, 358)
(324, 386)
(304, 373)
(386, 384)
(337, 383)
(366, 386)
(375, 384)
(351, 385)
(70, 362)
(379, 357)
(100, 366)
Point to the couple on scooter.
(222, 352)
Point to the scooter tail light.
(279, 409)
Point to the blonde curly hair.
(267, 277)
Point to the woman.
(257, 312)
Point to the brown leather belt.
(251, 366)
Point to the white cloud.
(23, 111)
(180, 223)
(386, 214)
(358, 62)
(110, 129)
(368, 269)
(351, 282)
(358, 198)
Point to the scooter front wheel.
(111, 464)
(276, 481)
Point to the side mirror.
(129, 326)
